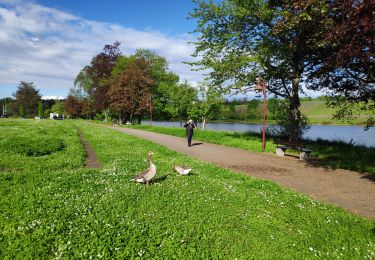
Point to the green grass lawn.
(59, 209)
(331, 154)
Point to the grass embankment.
(316, 111)
(331, 153)
(214, 213)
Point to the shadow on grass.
(333, 154)
(159, 179)
(329, 154)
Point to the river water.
(353, 134)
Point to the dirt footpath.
(347, 189)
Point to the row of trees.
(28, 103)
(322, 45)
(127, 87)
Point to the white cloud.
(53, 97)
(49, 47)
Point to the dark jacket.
(189, 129)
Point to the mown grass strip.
(214, 213)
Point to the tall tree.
(27, 97)
(96, 78)
(181, 100)
(165, 81)
(40, 110)
(346, 61)
(58, 107)
(209, 104)
(240, 40)
(345, 65)
(130, 90)
(74, 106)
(83, 84)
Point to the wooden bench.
(283, 145)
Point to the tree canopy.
(283, 42)
(27, 99)
(130, 90)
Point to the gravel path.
(347, 189)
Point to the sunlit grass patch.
(213, 213)
(39, 145)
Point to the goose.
(182, 169)
(149, 173)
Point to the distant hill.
(316, 110)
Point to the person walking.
(189, 131)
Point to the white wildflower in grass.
(141, 252)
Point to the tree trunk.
(139, 119)
(106, 112)
(295, 113)
(203, 122)
(120, 118)
(126, 118)
(131, 118)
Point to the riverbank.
(316, 120)
(331, 154)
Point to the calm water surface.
(354, 134)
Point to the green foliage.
(240, 41)
(166, 90)
(27, 99)
(58, 107)
(83, 83)
(40, 110)
(209, 105)
(281, 112)
(214, 213)
(181, 100)
(22, 111)
(122, 63)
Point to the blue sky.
(47, 42)
(168, 16)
